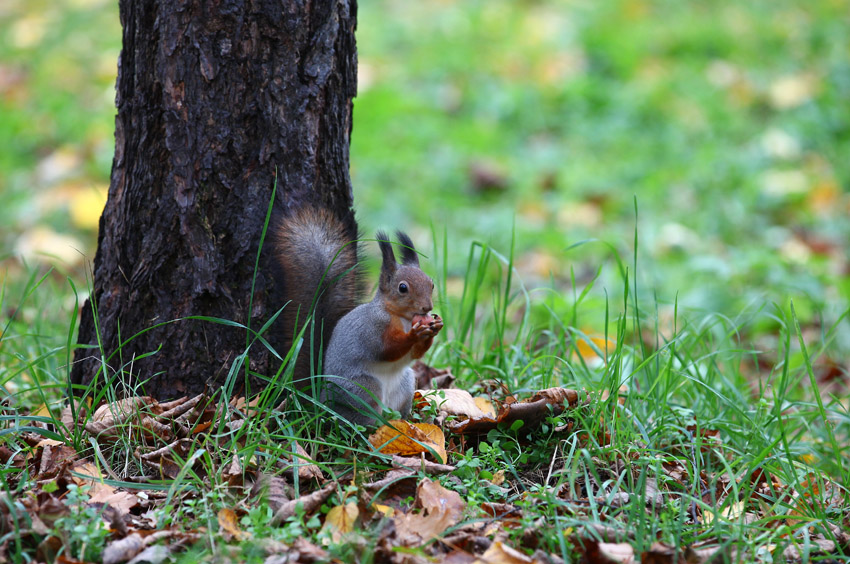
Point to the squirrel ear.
(388, 263)
(409, 255)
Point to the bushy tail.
(312, 246)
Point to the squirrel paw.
(426, 326)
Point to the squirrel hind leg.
(356, 399)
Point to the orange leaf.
(407, 439)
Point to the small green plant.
(83, 530)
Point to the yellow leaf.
(486, 406)
(730, 513)
(40, 243)
(586, 351)
(41, 411)
(499, 553)
(86, 207)
(229, 523)
(407, 439)
(340, 520)
(386, 510)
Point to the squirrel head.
(405, 289)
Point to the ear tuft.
(409, 256)
(388, 263)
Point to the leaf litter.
(439, 524)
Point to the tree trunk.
(215, 100)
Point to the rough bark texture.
(214, 98)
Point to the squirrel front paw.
(426, 326)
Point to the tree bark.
(217, 101)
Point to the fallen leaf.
(422, 465)
(308, 552)
(155, 554)
(405, 438)
(41, 243)
(531, 411)
(229, 524)
(487, 176)
(486, 406)
(307, 470)
(233, 473)
(791, 91)
(309, 502)
(731, 512)
(500, 553)
(122, 550)
(110, 420)
(452, 401)
(55, 460)
(610, 553)
(272, 490)
(166, 460)
(384, 510)
(587, 347)
(441, 509)
(86, 206)
(340, 521)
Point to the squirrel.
(368, 347)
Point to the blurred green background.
(727, 122)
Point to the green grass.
(675, 395)
(723, 303)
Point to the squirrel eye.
(402, 287)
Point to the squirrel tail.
(318, 257)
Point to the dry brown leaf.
(405, 438)
(162, 459)
(501, 510)
(441, 509)
(500, 553)
(308, 552)
(340, 521)
(272, 490)
(54, 460)
(110, 420)
(531, 411)
(11, 459)
(229, 525)
(233, 472)
(307, 470)
(122, 550)
(309, 502)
